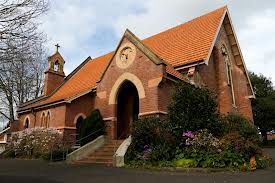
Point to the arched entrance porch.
(127, 108)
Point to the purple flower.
(188, 134)
(237, 147)
(146, 147)
(189, 142)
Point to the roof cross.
(57, 46)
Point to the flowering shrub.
(34, 142)
(201, 139)
(194, 134)
(207, 151)
(152, 141)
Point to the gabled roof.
(187, 43)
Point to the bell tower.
(54, 75)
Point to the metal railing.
(66, 146)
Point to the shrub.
(193, 108)
(91, 128)
(207, 151)
(263, 161)
(33, 142)
(239, 124)
(215, 158)
(151, 140)
(185, 163)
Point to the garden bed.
(195, 135)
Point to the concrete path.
(21, 171)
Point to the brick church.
(137, 78)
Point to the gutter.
(200, 62)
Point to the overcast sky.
(94, 27)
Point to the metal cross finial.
(57, 46)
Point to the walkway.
(18, 171)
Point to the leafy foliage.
(91, 128)
(264, 104)
(193, 108)
(151, 140)
(262, 85)
(239, 124)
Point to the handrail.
(66, 143)
(91, 134)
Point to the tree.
(193, 108)
(17, 20)
(21, 76)
(264, 105)
(262, 86)
(91, 127)
(22, 54)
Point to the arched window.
(47, 124)
(56, 66)
(78, 127)
(43, 119)
(228, 67)
(26, 123)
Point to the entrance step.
(103, 155)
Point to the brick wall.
(82, 106)
(57, 117)
(214, 76)
(165, 93)
(52, 81)
(142, 68)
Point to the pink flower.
(188, 134)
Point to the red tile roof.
(82, 81)
(177, 46)
(187, 42)
(170, 70)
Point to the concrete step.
(103, 155)
(106, 163)
(98, 159)
(106, 148)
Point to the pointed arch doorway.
(127, 108)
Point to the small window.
(47, 120)
(43, 119)
(56, 66)
(78, 127)
(27, 123)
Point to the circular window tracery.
(125, 55)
